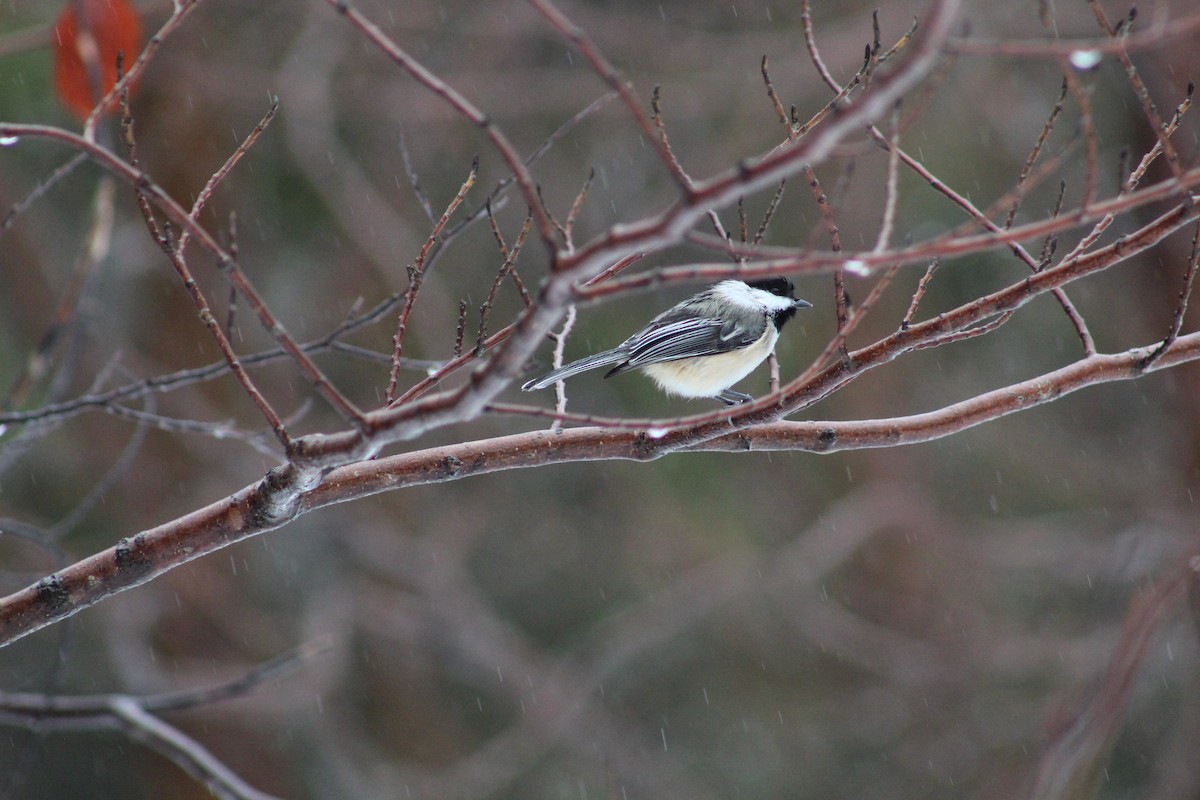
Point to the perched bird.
(702, 346)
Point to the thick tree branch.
(147, 555)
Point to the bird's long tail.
(576, 367)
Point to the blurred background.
(919, 622)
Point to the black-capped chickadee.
(704, 345)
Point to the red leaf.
(85, 56)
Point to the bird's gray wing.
(670, 338)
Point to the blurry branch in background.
(565, 692)
(865, 112)
(1075, 754)
(138, 717)
(59, 338)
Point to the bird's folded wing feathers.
(683, 338)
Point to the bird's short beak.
(802, 303)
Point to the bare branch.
(456, 101)
(416, 274)
(1189, 275)
(226, 168)
(607, 73)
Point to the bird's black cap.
(777, 286)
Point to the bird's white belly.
(708, 376)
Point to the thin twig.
(616, 269)
(1034, 153)
(772, 373)
(724, 236)
(766, 75)
(969, 333)
(509, 264)
(432, 377)
(512, 268)
(1139, 86)
(664, 141)
(872, 58)
(175, 255)
(215, 180)
(922, 287)
(66, 313)
(457, 101)
(416, 274)
(769, 214)
(1189, 276)
(1087, 126)
(414, 181)
(560, 345)
(460, 332)
(44, 186)
(814, 55)
(607, 73)
(1135, 177)
(891, 192)
(576, 207)
(191, 756)
(841, 301)
(232, 304)
(1050, 242)
(121, 87)
(147, 420)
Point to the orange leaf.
(85, 55)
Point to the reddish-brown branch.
(664, 142)
(313, 453)
(810, 388)
(174, 254)
(1020, 252)
(841, 302)
(145, 556)
(919, 294)
(174, 251)
(181, 9)
(1151, 38)
(1189, 276)
(1035, 152)
(1135, 177)
(422, 75)
(231, 162)
(1149, 108)
(416, 275)
(775, 260)
(138, 179)
(607, 73)
(814, 54)
(510, 264)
